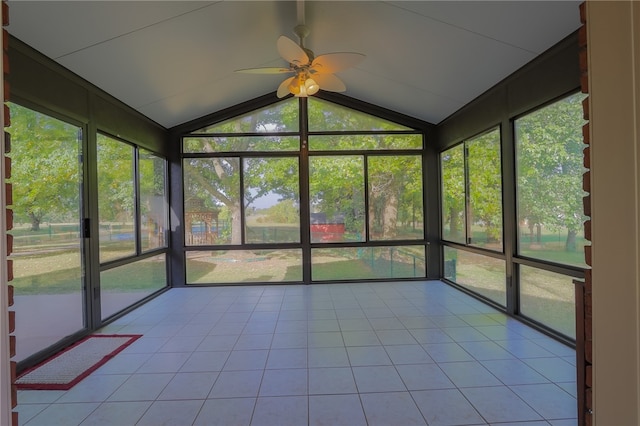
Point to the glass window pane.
(395, 197)
(125, 285)
(48, 278)
(481, 274)
(453, 194)
(235, 266)
(279, 117)
(371, 142)
(240, 144)
(327, 116)
(271, 200)
(549, 298)
(358, 263)
(153, 200)
(116, 199)
(485, 191)
(212, 201)
(336, 193)
(549, 165)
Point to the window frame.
(467, 201)
(510, 254)
(139, 253)
(549, 265)
(304, 155)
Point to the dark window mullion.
(237, 135)
(305, 209)
(467, 201)
(362, 132)
(242, 198)
(366, 198)
(137, 226)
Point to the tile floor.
(410, 353)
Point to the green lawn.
(545, 296)
(58, 272)
(277, 266)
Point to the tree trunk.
(539, 233)
(390, 217)
(236, 224)
(413, 215)
(453, 222)
(372, 216)
(35, 222)
(570, 244)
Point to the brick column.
(7, 201)
(584, 345)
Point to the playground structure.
(199, 222)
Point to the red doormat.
(66, 368)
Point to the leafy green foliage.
(395, 196)
(485, 187)
(211, 184)
(549, 184)
(367, 141)
(285, 211)
(453, 194)
(549, 169)
(277, 175)
(279, 117)
(45, 168)
(116, 195)
(326, 116)
(153, 200)
(336, 189)
(336, 183)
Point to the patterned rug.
(66, 368)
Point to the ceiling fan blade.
(291, 52)
(283, 89)
(266, 70)
(329, 82)
(334, 62)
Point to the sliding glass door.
(58, 295)
(49, 279)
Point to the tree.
(485, 184)
(453, 193)
(336, 182)
(153, 200)
(216, 180)
(284, 212)
(116, 195)
(45, 167)
(336, 189)
(549, 164)
(395, 190)
(394, 182)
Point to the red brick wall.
(9, 213)
(583, 309)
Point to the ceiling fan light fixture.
(311, 86)
(303, 86)
(295, 87)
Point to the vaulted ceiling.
(174, 60)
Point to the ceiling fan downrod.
(302, 32)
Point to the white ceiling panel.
(62, 27)
(516, 23)
(174, 60)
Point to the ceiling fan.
(310, 73)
